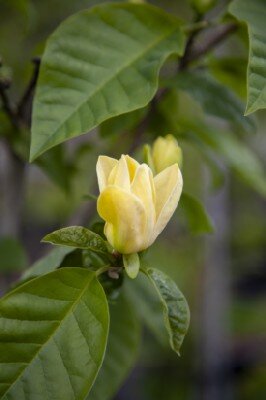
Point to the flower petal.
(119, 175)
(168, 188)
(125, 218)
(104, 167)
(143, 187)
(132, 166)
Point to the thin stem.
(27, 96)
(102, 270)
(7, 107)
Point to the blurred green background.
(223, 275)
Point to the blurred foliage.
(204, 109)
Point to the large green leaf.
(47, 263)
(121, 352)
(253, 12)
(77, 236)
(53, 336)
(174, 306)
(98, 64)
(215, 98)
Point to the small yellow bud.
(203, 6)
(135, 205)
(165, 152)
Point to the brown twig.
(200, 49)
(6, 105)
(192, 52)
(27, 96)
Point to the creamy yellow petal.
(119, 176)
(125, 218)
(104, 167)
(132, 166)
(168, 188)
(143, 187)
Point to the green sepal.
(131, 264)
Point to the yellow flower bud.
(165, 152)
(135, 205)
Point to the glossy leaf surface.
(77, 236)
(53, 336)
(98, 64)
(121, 352)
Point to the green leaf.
(131, 264)
(98, 64)
(12, 255)
(121, 352)
(231, 72)
(79, 237)
(147, 305)
(215, 98)
(175, 308)
(55, 165)
(254, 14)
(48, 263)
(236, 153)
(198, 219)
(53, 336)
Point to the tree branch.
(27, 96)
(7, 107)
(218, 36)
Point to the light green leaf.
(53, 336)
(131, 264)
(253, 12)
(198, 219)
(175, 308)
(215, 98)
(98, 64)
(121, 352)
(48, 263)
(79, 237)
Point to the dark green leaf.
(198, 219)
(236, 153)
(77, 236)
(122, 123)
(231, 72)
(147, 305)
(174, 305)
(254, 14)
(121, 352)
(53, 336)
(55, 165)
(12, 255)
(215, 98)
(98, 64)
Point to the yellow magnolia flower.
(165, 152)
(135, 205)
